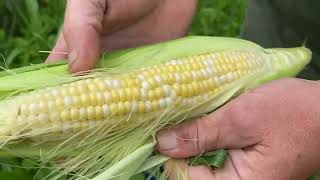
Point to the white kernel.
(223, 78)
(173, 94)
(144, 94)
(141, 77)
(106, 110)
(169, 101)
(217, 80)
(209, 71)
(68, 101)
(145, 85)
(194, 75)
(33, 108)
(158, 79)
(178, 77)
(230, 76)
(108, 83)
(90, 112)
(213, 56)
(166, 89)
(107, 97)
(83, 114)
(134, 106)
(24, 109)
(55, 92)
(205, 73)
(162, 103)
(43, 118)
(55, 116)
(148, 106)
(116, 84)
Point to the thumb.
(82, 31)
(223, 129)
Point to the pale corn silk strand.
(94, 121)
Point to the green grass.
(28, 26)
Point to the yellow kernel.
(153, 83)
(128, 94)
(188, 76)
(171, 79)
(127, 106)
(195, 66)
(159, 93)
(189, 90)
(136, 93)
(155, 105)
(177, 89)
(115, 96)
(165, 77)
(113, 109)
(59, 102)
(142, 107)
(122, 95)
(83, 114)
(43, 106)
(101, 86)
(64, 92)
(93, 99)
(90, 113)
(196, 88)
(107, 97)
(75, 116)
(99, 112)
(211, 84)
(73, 91)
(152, 95)
(171, 69)
(121, 108)
(84, 99)
(184, 91)
(99, 98)
(82, 88)
(76, 101)
(65, 115)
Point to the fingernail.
(72, 57)
(166, 140)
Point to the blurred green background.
(28, 26)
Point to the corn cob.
(180, 83)
(164, 84)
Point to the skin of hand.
(272, 132)
(93, 26)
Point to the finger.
(82, 31)
(59, 52)
(223, 129)
(122, 13)
(200, 173)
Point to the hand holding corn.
(92, 26)
(272, 132)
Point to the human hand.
(272, 133)
(92, 26)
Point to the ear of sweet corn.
(136, 91)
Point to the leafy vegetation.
(28, 26)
